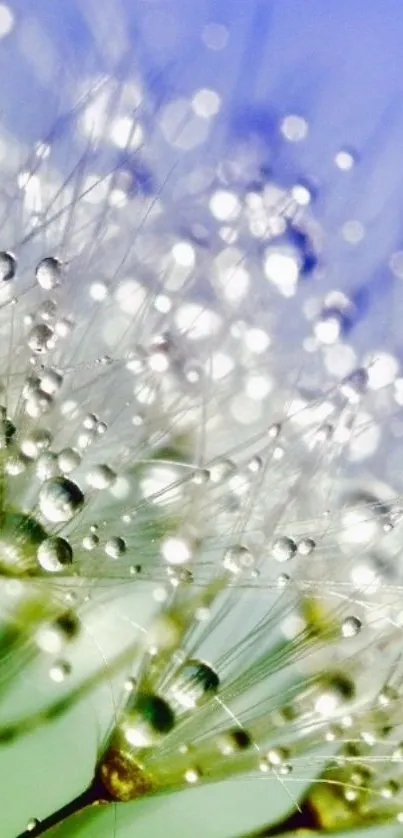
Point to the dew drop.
(90, 542)
(283, 549)
(176, 550)
(192, 775)
(46, 310)
(8, 266)
(101, 477)
(48, 273)
(68, 459)
(351, 626)
(47, 466)
(59, 671)
(115, 547)
(194, 683)
(40, 338)
(277, 756)
(334, 693)
(60, 499)
(148, 719)
(51, 381)
(234, 741)
(32, 824)
(54, 554)
(221, 469)
(51, 637)
(237, 559)
(306, 546)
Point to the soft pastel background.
(337, 63)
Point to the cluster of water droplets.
(182, 413)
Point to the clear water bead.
(176, 550)
(59, 671)
(147, 720)
(306, 546)
(50, 381)
(68, 459)
(283, 549)
(8, 266)
(48, 273)
(40, 338)
(51, 637)
(234, 741)
(47, 465)
(351, 626)
(334, 693)
(101, 477)
(194, 683)
(54, 554)
(354, 387)
(60, 499)
(221, 469)
(32, 824)
(115, 547)
(238, 559)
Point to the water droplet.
(51, 381)
(277, 756)
(46, 310)
(147, 720)
(335, 691)
(354, 387)
(176, 550)
(38, 404)
(234, 741)
(221, 469)
(283, 549)
(101, 477)
(48, 273)
(51, 637)
(237, 559)
(54, 554)
(90, 422)
(351, 626)
(90, 542)
(194, 683)
(40, 338)
(306, 546)
(59, 671)
(192, 775)
(37, 441)
(115, 547)
(8, 266)
(60, 499)
(68, 459)
(20, 537)
(47, 465)
(32, 824)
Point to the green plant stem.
(304, 821)
(94, 795)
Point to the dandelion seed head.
(187, 405)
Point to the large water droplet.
(48, 273)
(60, 499)
(54, 554)
(148, 719)
(195, 682)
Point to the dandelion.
(198, 534)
